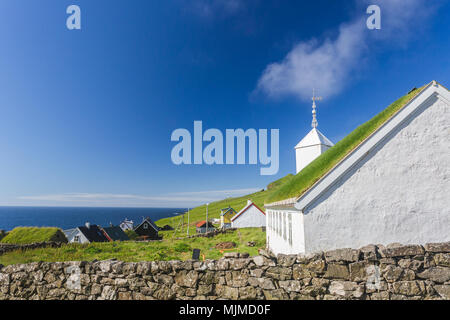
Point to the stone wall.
(5, 247)
(372, 272)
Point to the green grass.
(318, 168)
(26, 235)
(141, 251)
(199, 213)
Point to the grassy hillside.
(319, 167)
(25, 235)
(131, 251)
(199, 213)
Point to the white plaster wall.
(398, 193)
(276, 242)
(250, 219)
(306, 155)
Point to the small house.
(251, 216)
(225, 217)
(204, 227)
(127, 225)
(147, 229)
(115, 233)
(85, 234)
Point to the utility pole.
(188, 223)
(207, 217)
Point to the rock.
(443, 291)
(337, 271)
(226, 245)
(400, 251)
(263, 261)
(230, 293)
(384, 295)
(409, 288)
(186, 279)
(279, 273)
(248, 293)
(391, 273)
(442, 259)
(346, 289)
(339, 255)
(358, 271)
(238, 264)
(436, 274)
(4, 279)
(305, 258)
(164, 293)
(290, 285)
(125, 296)
(263, 283)
(231, 255)
(277, 294)
(438, 247)
(369, 252)
(108, 293)
(286, 260)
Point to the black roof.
(149, 221)
(116, 233)
(93, 233)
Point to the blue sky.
(86, 115)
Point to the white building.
(393, 187)
(312, 145)
(251, 216)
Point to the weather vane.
(314, 99)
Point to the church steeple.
(314, 124)
(313, 144)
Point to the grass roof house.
(386, 182)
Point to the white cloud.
(181, 199)
(329, 65)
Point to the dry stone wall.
(370, 273)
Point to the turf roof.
(306, 178)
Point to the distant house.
(115, 233)
(85, 234)
(127, 225)
(225, 217)
(203, 227)
(251, 216)
(147, 229)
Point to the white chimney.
(88, 225)
(249, 202)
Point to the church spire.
(314, 123)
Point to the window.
(145, 226)
(290, 228)
(76, 239)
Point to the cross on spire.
(314, 123)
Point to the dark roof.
(116, 233)
(93, 233)
(149, 221)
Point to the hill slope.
(199, 213)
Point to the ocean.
(71, 217)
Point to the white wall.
(251, 218)
(282, 236)
(398, 193)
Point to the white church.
(393, 187)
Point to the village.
(365, 218)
